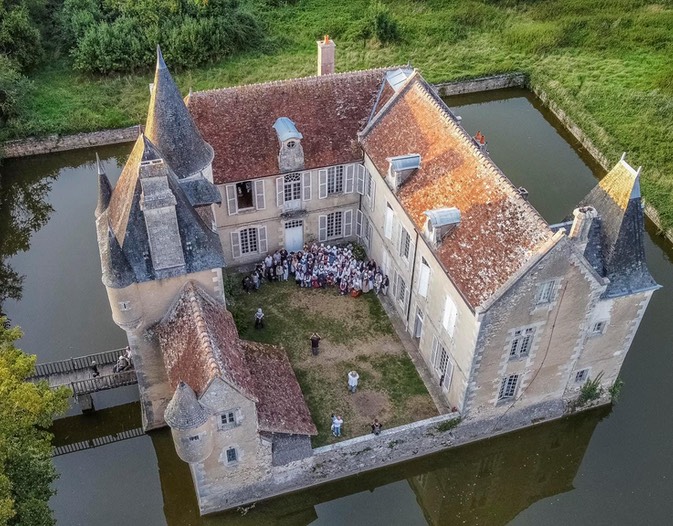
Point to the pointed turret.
(171, 128)
(621, 230)
(104, 189)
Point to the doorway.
(294, 235)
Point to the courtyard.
(356, 335)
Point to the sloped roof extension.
(328, 111)
(499, 231)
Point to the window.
(228, 419)
(450, 315)
(388, 227)
(522, 342)
(194, 438)
(405, 243)
(545, 292)
(401, 289)
(424, 279)
(244, 195)
(232, 455)
(334, 225)
(508, 387)
(292, 187)
(124, 305)
(335, 180)
(441, 363)
(598, 328)
(248, 241)
(581, 376)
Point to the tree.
(26, 412)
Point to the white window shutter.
(322, 187)
(358, 223)
(435, 345)
(410, 259)
(322, 228)
(235, 245)
(280, 192)
(306, 186)
(360, 183)
(261, 236)
(348, 223)
(350, 176)
(232, 206)
(424, 280)
(372, 197)
(388, 227)
(450, 313)
(260, 198)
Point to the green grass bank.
(607, 63)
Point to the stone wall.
(399, 444)
(508, 80)
(61, 143)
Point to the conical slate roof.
(620, 236)
(171, 128)
(184, 411)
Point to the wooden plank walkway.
(97, 442)
(77, 373)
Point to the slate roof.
(170, 126)
(499, 230)
(328, 111)
(125, 218)
(199, 342)
(184, 411)
(616, 246)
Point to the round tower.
(191, 425)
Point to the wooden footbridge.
(79, 374)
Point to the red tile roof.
(327, 110)
(199, 342)
(499, 230)
(281, 407)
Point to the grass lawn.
(608, 63)
(356, 335)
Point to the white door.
(294, 235)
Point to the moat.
(599, 468)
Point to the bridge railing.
(102, 383)
(71, 365)
(97, 442)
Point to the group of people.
(124, 363)
(337, 420)
(320, 266)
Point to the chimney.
(326, 49)
(584, 218)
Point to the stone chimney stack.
(326, 48)
(584, 218)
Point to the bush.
(590, 391)
(380, 24)
(75, 18)
(13, 87)
(20, 40)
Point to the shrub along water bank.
(607, 63)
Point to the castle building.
(505, 309)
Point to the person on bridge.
(123, 364)
(94, 369)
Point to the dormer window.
(440, 222)
(290, 154)
(291, 144)
(401, 168)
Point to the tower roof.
(200, 246)
(171, 128)
(621, 230)
(184, 411)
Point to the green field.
(608, 63)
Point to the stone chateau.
(507, 311)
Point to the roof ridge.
(389, 103)
(192, 289)
(449, 118)
(313, 78)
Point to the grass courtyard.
(356, 335)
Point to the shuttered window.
(424, 279)
(450, 314)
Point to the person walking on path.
(376, 426)
(259, 319)
(94, 369)
(315, 342)
(353, 378)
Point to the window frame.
(232, 417)
(334, 215)
(231, 460)
(521, 343)
(509, 385)
(250, 190)
(404, 248)
(546, 292)
(336, 179)
(248, 231)
(582, 376)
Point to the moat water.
(604, 467)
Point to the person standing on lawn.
(259, 319)
(315, 342)
(376, 426)
(353, 378)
